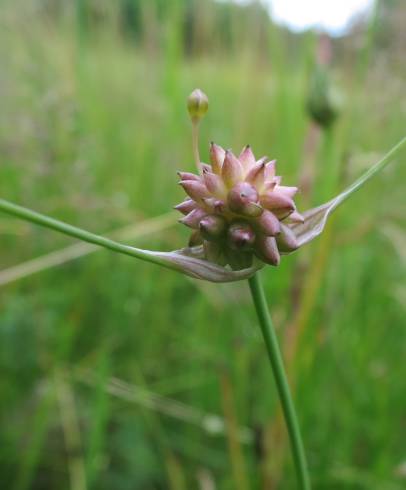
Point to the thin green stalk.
(73, 231)
(190, 265)
(195, 145)
(275, 358)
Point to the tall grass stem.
(275, 358)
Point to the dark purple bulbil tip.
(212, 226)
(240, 236)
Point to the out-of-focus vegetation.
(118, 375)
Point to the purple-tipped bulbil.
(212, 227)
(239, 209)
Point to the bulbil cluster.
(238, 209)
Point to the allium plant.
(238, 209)
(242, 218)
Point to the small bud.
(214, 184)
(269, 186)
(256, 175)
(219, 206)
(188, 176)
(240, 236)
(252, 210)
(287, 191)
(278, 203)
(286, 240)
(240, 196)
(193, 219)
(268, 250)
(197, 104)
(212, 226)
(232, 171)
(296, 217)
(268, 223)
(196, 190)
(186, 206)
(246, 157)
(217, 155)
(270, 170)
(277, 179)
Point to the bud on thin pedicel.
(197, 104)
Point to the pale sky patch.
(329, 15)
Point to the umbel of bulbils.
(236, 205)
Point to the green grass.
(92, 131)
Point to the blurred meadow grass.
(95, 352)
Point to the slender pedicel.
(197, 104)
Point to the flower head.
(238, 209)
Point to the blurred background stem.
(276, 361)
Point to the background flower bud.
(324, 101)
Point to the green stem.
(73, 231)
(275, 358)
(195, 146)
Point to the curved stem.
(275, 358)
(75, 232)
(177, 260)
